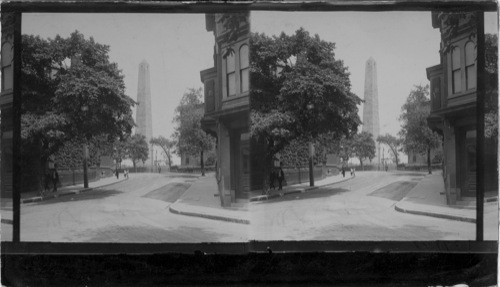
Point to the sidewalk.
(27, 197)
(428, 198)
(201, 199)
(300, 188)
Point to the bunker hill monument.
(370, 106)
(143, 114)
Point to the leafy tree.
(299, 89)
(166, 145)
(120, 151)
(393, 143)
(191, 139)
(363, 146)
(415, 133)
(137, 148)
(491, 100)
(70, 92)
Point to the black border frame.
(486, 247)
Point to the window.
(470, 65)
(230, 76)
(7, 70)
(244, 69)
(456, 72)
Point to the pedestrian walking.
(272, 178)
(117, 173)
(343, 171)
(47, 179)
(281, 177)
(386, 168)
(55, 178)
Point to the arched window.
(244, 69)
(456, 72)
(470, 65)
(230, 75)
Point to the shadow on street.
(169, 193)
(318, 193)
(89, 195)
(395, 191)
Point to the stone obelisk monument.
(143, 113)
(370, 107)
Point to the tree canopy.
(70, 91)
(363, 146)
(299, 90)
(393, 143)
(415, 134)
(191, 139)
(166, 145)
(137, 148)
(491, 99)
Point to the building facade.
(453, 92)
(226, 92)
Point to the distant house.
(226, 88)
(453, 110)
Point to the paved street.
(135, 210)
(359, 209)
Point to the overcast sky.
(177, 47)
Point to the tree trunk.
(361, 163)
(169, 162)
(429, 160)
(135, 168)
(202, 163)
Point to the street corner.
(206, 212)
(443, 212)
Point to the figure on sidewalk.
(281, 176)
(55, 178)
(272, 178)
(159, 169)
(46, 182)
(343, 171)
(353, 171)
(117, 173)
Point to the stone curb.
(208, 216)
(299, 190)
(433, 214)
(50, 196)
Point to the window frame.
(244, 68)
(461, 43)
(225, 88)
(471, 65)
(456, 69)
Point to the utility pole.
(480, 127)
(311, 165)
